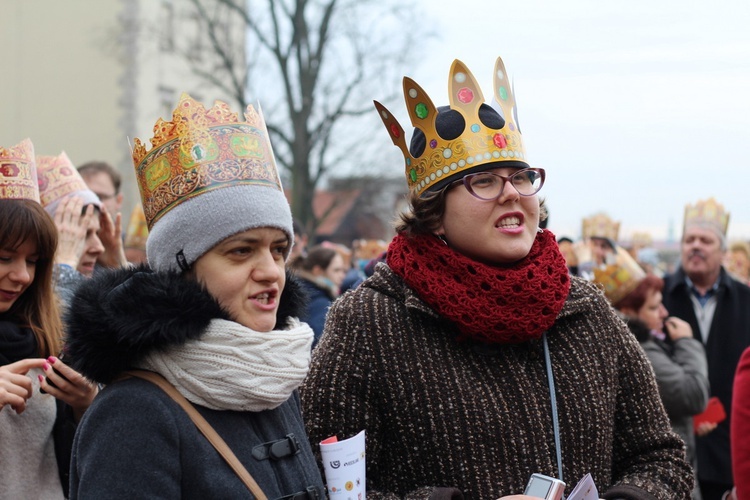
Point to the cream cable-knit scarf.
(232, 367)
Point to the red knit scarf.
(490, 304)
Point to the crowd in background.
(476, 348)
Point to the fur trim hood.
(119, 316)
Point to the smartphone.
(52, 383)
(541, 486)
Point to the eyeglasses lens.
(488, 186)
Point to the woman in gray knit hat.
(471, 358)
(215, 317)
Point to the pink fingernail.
(41, 378)
(52, 360)
(45, 366)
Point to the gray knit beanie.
(194, 227)
(208, 176)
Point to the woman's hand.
(15, 386)
(705, 427)
(69, 386)
(72, 225)
(110, 234)
(678, 328)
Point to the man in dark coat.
(718, 309)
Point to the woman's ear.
(317, 271)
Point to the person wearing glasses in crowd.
(471, 358)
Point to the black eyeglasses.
(489, 186)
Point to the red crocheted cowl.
(490, 304)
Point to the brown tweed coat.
(442, 415)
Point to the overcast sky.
(633, 108)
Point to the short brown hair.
(426, 212)
(635, 299)
(94, 167)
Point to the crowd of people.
(207, 346)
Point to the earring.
(442, 238)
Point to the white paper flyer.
(344, 465)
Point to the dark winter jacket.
(135, 441)
(728, 337)
(319, 299)
(441, 415)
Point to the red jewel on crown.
(499, 140)
(465, 95)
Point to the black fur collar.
(119, 316)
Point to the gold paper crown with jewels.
(476, 146)
(18, 174)
(600, 226)
(202, 150)
(708, 213)
(620, 278)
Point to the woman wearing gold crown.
(211, 326)
(36, 427)
(678, 359)
(471, 359)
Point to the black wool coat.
(728, 337)
(135, 441)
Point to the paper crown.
(600, 226)
(477, 145)
(58, 178)
(137, 231)
(619, 278)
(18, 174)
(708, 213)
(202, 150)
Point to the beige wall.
(87, 76)
(59, 87)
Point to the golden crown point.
(620, 278)
(476, 146)
(58, 178)
(707, 213)
(202, 150)
(600, 226)
(642, 239)
(18, 173)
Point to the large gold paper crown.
(600, 226)
(477, 145)
(58, 178)
(201, 150)
(707, 213)
(18, 174)
(620, 278)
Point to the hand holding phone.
(541, 486)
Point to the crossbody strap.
(205, 428)
(553, 401)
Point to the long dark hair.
(37, 307)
